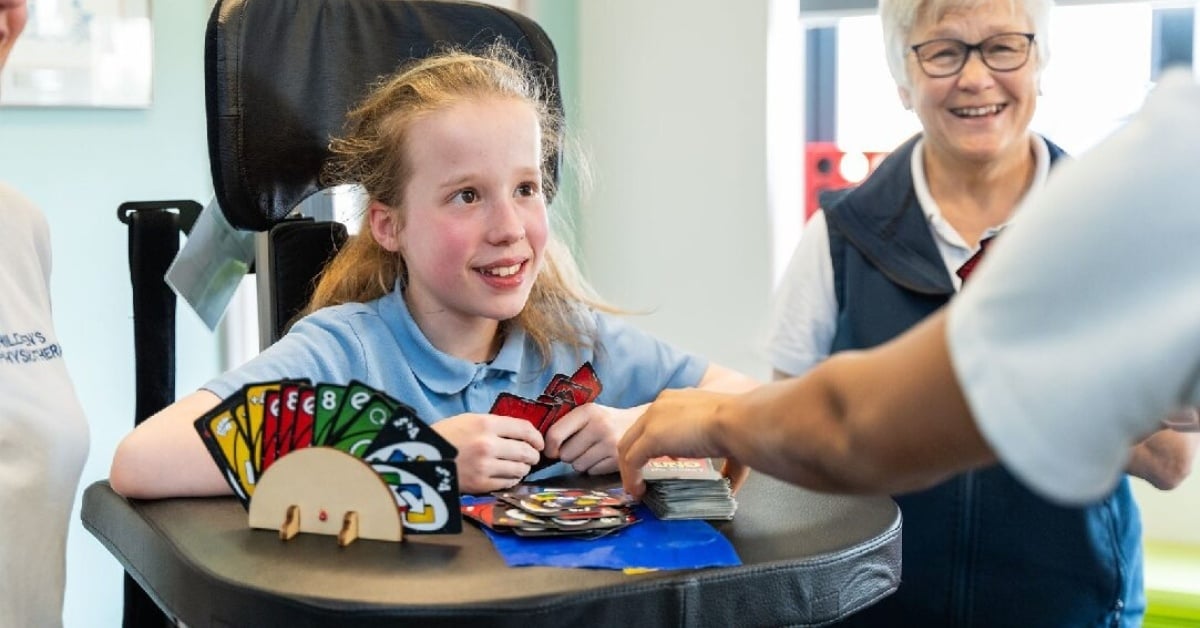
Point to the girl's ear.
(385, 225)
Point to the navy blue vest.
(979, 549)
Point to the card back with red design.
(586, 376)
(510, 405)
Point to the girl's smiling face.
(472, 226)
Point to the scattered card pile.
(563, 394)
(527, 510)
(263, 422)
(687, 488)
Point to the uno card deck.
(687, 488)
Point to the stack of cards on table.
(687, 488)
(529, 510)
(563, 394)
(263, 422)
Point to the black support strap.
(154, 229)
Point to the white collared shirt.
(803, 318)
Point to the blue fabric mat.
(650, 543)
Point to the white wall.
(673, 100)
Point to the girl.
(453, 292)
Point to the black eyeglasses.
(1004, 52)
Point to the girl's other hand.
(587, 437)
(494, 452)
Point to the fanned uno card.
(294, 407)
(426, 493)
(271, 428)
(254, 396)
(355, 433)
(329, 400)
(289, 401)
(253, 438)
(271, 405)
(229, 447)
(406, 438)
(351, 425)
(301, 433)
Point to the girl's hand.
(587, 437)
(494, 452)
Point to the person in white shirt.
(880, 258)
(43, 433)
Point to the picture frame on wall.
(82, 53)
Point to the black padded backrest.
(280, 76)
(299, 250)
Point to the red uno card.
(563, 388)
(510, 405)
(559, 408)
(586, 376)
(271, 435)
(302, 423)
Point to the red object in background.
(824, 170)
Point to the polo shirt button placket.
(477, 389)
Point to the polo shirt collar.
(438, 371)
(933, 213)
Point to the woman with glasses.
(979, 549)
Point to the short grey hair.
(898, 18)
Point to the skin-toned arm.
(1164, 459)
(834, 428)
(164, 456)
(587, 437)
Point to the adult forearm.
(1164, 459)
(889, 419)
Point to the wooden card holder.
(322, 490)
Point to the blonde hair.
(899, 17)
(372, 154)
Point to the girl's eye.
(468, 196)
(526, 189)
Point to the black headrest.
(280, 76)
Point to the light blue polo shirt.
(378, 343)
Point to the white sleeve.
(1081, 330)
(803, 316)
